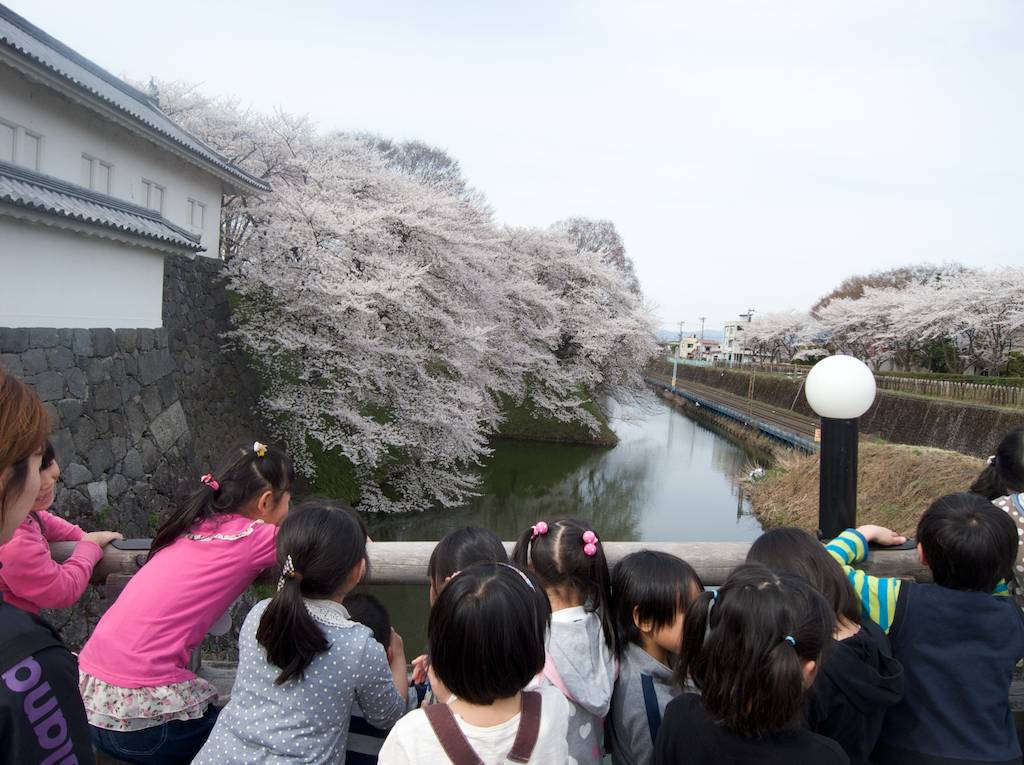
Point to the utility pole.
(679, 350)
(701, 354)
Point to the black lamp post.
(840, 389)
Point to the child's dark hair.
(462, 548)
(797, 552)
(745, 645)
(1004, 473)
(325, 541)
(557, 553)
(369, 611)
(49, 457)
(651, 586)
(240, 478)
(969, 543)
(487, 630)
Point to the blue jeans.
(174, 742)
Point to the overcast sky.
(752, 154)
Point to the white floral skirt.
(126, 709)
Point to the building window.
(19, 146)
(196, 214)
(152, 195)
(96, 174)
(7, 134)
(31, 143)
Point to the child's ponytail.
(320, 545)
(1004, 473)
(568, 556)
(745, 647)
(244, 473)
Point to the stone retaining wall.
(219, 391)
(137, 411)
(118, 427)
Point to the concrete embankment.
(899, 418)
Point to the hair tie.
(590, 543)
(992, 460)
(287, 572)
(707, 618)
(260, 449)
(540, 528)
(519, 571)
(209, 480)
(791, 640)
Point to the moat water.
(669, 479)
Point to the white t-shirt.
(412, 740)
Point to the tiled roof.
(42, 50)
(50, 196)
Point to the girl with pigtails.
(143, 702)
(753, 649)
(302, 661)
(568, 559)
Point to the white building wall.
(68, 131)
(68, 279)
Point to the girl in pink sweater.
(29, 578)
(143, 703)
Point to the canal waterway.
(669, 479)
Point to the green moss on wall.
(523, 422)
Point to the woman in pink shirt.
(29, 578)
(144, 704)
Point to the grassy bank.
(895, 484)
(523, 423)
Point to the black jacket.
(42, 720)
(859, 680)
(689, 735)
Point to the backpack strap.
(450, 736)
(651, 704)
(529, 727)
(553, 676)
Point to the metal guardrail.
(767, 428)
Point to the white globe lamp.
(840, 389)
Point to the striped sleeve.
(877, 595)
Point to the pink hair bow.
(590, 543)
(209, 480)
(540, 528)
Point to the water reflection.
(669, 479)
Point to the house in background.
(688, 347)
(97, 187)
(734, 349)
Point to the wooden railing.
(406, 562)
(981, 393)
(995, 393)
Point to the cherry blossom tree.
(778, 336)
(980, 312)
(391, 317)
(602, 237)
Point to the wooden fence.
(981, 393)
(994, 393)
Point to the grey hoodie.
(586, 665)
(629, 730)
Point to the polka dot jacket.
(303, 720)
